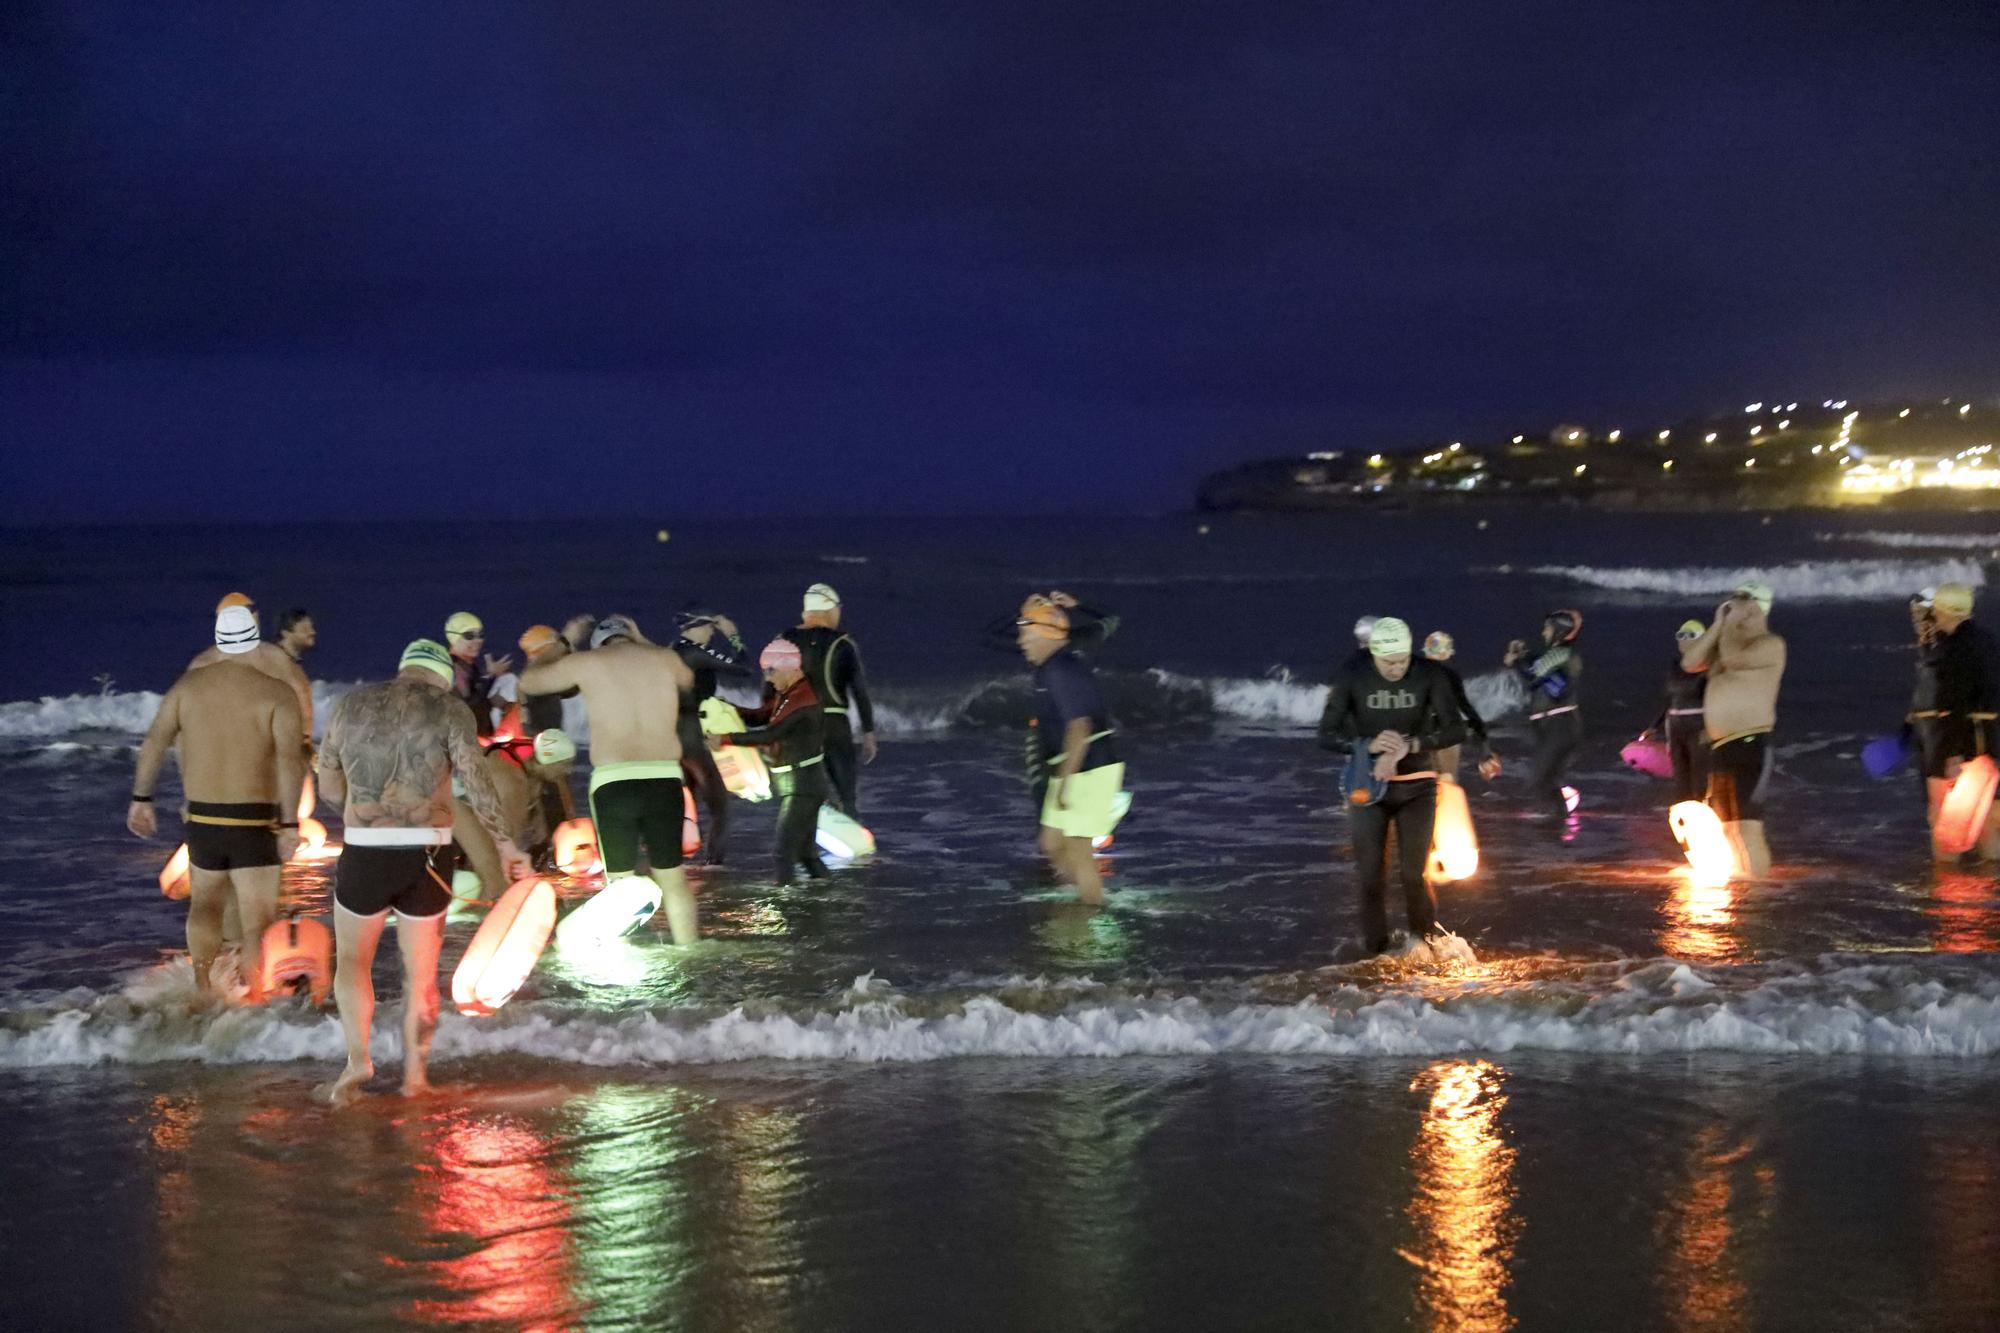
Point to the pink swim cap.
(779, 654)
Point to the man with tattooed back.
(388, 758)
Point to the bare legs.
(679, 902)
(419, 941)
(1074, 860)
(355, 938)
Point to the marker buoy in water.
(1454, 842)
(617, 909)
(1572, 798)
(1962, 817)
(174, 875)
(298, 957)
(1709, 853)
(842, 838)
(1884, 755)
(576, 847)
(505, 948)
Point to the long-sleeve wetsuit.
(720, 658)
(790, 727)
(1475, 725)
(1966, 663)
(1555, 716)
(832, 664)
(1680, 726)
(472, 682)
(1361, 704)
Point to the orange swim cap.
(1044, 617)
(233, 599)
(535, 638)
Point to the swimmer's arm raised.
(565, 673)
(468, 761)
(1700, 655)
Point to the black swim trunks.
(1738, 769)
(411, 881)
(232, 836)
(645, 808)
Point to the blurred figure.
(473, 673)
(1079, 746)
(1745, 663)
(833, 665)
(1439, 649)
(1965, 660)
(297, 635)
(1553, 677)
(1680, 721)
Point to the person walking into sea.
(1680, 721)
(237, 733)
(1965, 660)
(1555, 711)
(1438, 651)
(387, 760)
(714, 652)
(1079, 747)
(1401, 711)
(1745, 663)
(631, 691)
(833, 665)
(790, 726)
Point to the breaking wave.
(1942, 541)
(1835, 1005)
(1815, 581)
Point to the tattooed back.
(395, 745)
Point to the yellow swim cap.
(464, 625)
(233, 599)
(1044, 617)
(1954, 599)
(430, 656)
(1690, 629)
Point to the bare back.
(395, 746)
(633, 693)
(1742, 693)
(230, 717)
(274, 662)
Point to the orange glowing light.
(505, 949)
(1454, 842)
(1711, 857)
(174, 875)
(1462, 1204)
(576, 847)
(1962, 817)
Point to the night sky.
(388, 260)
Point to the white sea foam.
(1942, 541)
(129, 712)
(1814, 581)
(1839, 1007)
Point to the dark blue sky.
(754, 256)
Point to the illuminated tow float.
(1454, 842)
(616, 910)
(1711, 857)
(1962, 817)
(505, 948)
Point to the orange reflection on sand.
(1462, 1207)
(1964, 912)
(1700, 920)
(1703, 1281)
(499, 1226)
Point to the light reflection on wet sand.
(1461, 1208)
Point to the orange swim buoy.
(298, 953)
(690, 826)
(1962, 817)
(174, 875)
(576, 847)
(505, 948)
(1454, 842)
(1711, 857)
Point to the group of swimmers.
(460, 755)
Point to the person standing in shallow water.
(1555, 713)
(1680, 724)
(833, 667)
(1965, 663)
(1079, 744)
(1745, 662)
(1401, 711)
(789, 725)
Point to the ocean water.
(933, 1088)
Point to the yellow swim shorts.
(1090, 801)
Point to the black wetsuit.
(789, 725)
(1089, 627)
(1555, 715)
(1360, 703)
(720, 657)
(473, 683)
(1680, 726)
(1966, 663)
(832, 663)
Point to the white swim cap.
(822, 597)
(1363, 628)
(235, 629)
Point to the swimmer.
(1966, 661)
(473, 673)
(1402, 711)
(789, 725)
(388, 759)
(1745, 662)
(713, 651)
(833, 665)
(632, 690)
(1089, 628)
(541, 713)
(1554, 707)
(268, 658)
(241, 769)
(1079, 746)
(1680, 722)
(297, 635)
(1438, 651)
(1923, 724)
